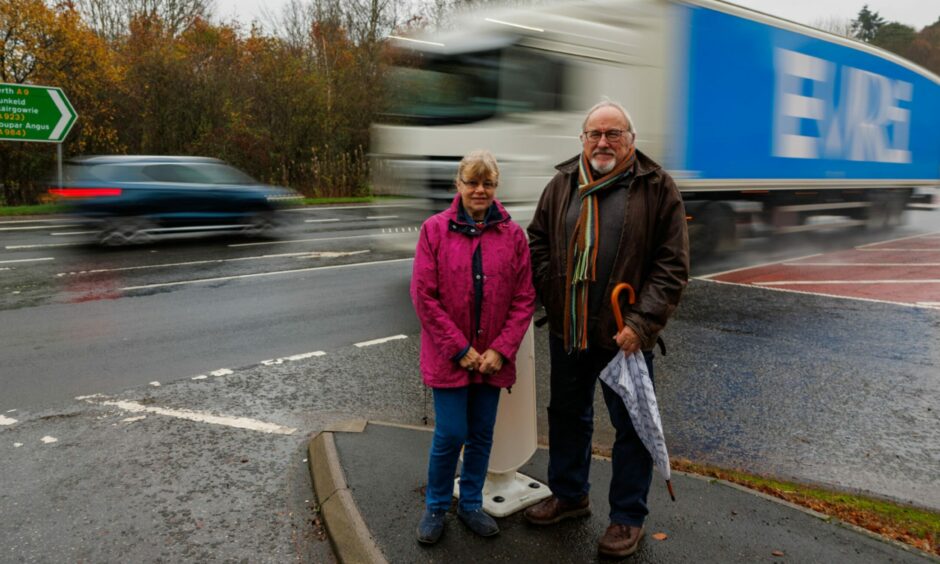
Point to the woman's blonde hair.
(478, 164)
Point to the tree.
(112, 18)
(865, 26)
(895, 37)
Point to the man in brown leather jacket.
(609, 215)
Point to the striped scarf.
(582, 249)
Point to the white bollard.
(515, 439)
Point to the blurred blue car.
(132, 199)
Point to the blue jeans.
(464, 417)
(571, 426)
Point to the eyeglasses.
(487, 185)
(612, 135)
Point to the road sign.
(34, 113)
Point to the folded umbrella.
(629, 376)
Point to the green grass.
(913, 525)
(40, 209)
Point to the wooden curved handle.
(615, 301)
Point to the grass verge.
(40, 209)
(914, 526)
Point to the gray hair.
(608, 103)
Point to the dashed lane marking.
(331, 220)
(200, 417)
(259, 274)
(69, 233)
(380, 341)
(381, 217)
(293, 358)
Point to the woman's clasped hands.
(490, 362)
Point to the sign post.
(36, 113)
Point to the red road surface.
(905, 271)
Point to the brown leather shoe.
(553, 510)
(620, 540)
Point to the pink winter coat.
(442, 291)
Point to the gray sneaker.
(478, 522)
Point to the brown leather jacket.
(653, 256)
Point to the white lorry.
(767, 125)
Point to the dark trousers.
(571, 425)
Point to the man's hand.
(627, 340)
(491, 362)
(471, 360)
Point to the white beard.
(603, 168)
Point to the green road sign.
(34, 113)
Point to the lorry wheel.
(711, 226)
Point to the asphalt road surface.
(821, 388)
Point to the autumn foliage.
(294, 113)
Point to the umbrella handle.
(615, 301)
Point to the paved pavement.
(370, 481)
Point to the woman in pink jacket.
(472, 291)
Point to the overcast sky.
(915, 13)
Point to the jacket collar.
(460, 220)
(644, 165)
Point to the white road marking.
(321, 220)
(813, 282)
(305, 254)
(16, 247)
(733, 270)
(5, 268)
(88, 397)
(898, 250)
(381, 217)
(200, 377)
(929, 304)
(314, 240)
(922, 235)
(861, 264)
(7, 420)
(380, 341)
(821, 294)
(26, 260)
(199, 417)
(259, 274)
(221, 372)
(49, 440)
(155, 384)
(17, 445)
(11, 411)
(68, 233)
(292, 358)
(33, 227)
(133, 419)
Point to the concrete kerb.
(349, 535)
